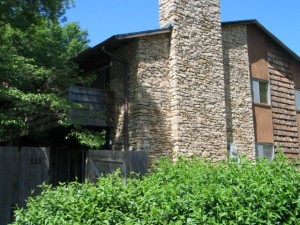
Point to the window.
(297, 96)
(264, 150)
(232, 152)
(103, 79)
(260, 91)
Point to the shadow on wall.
(238, 99)
(228, 100)
(149, 104)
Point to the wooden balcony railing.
(97, 109)
(98, 106)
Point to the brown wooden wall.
(278, 122)
(298, 126)
(263, 124)
(283, 99)
(257, 50)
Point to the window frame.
(259, 145)
(297, 106)
(256, 95)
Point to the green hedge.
(186, 192)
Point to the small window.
(232, 152)
(264, 150)
(103, 79)
(297, 98)
(260, 91)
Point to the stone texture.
(190, 91)
(196, 77)
(176, 85)
(239, 112)
(149, 96)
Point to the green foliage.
(88, 138)
(22, 13)
(187, 192)
(35, 69)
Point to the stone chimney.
(197, 79)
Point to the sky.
(105, 18)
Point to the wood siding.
(257, 50)
(257, 53)
(283, 100)
(277, 123)
(21, 171)
(98, 106)
(101, 163)
(98, 109)
(263, 124)
(298, 126)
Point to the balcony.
(97, 110)
(98, 106)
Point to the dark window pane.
(255, 91)
(263, 91)
(103, 79)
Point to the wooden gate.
(21, 171)
(100, 162)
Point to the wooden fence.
(21, 171)
(24, 169)
(99, 163)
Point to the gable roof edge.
(267, 32)
(120, 38)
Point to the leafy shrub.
(186, 192)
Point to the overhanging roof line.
(142, 34)
(269, 34)
(119, 39)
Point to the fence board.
(8, 162)
(21, 170)
(100, 162)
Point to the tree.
(34, 66)
(21, 14)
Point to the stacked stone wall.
(150, 124)
(196, 77)
(149, 99)
(239, 112)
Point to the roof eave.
(272, 36)
(119, 38)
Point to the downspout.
(125, 65)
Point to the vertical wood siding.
(101, 163)
(21, 171)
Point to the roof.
(117, 41)
(272, 36)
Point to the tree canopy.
(34, 66)
(22, 14)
